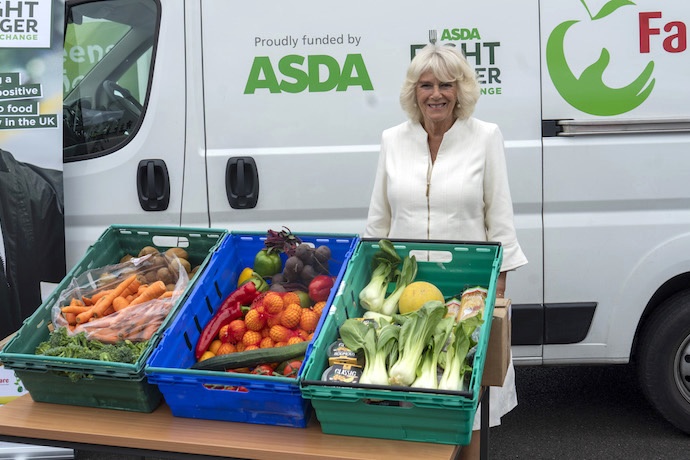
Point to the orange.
(291, 316)
(226, 348)
(254, 320)
(280, 333)
(308, 320)
(251, 338)
(318, 307)
(291, 297)
(273, 303)
(266, 342)
(294, 340)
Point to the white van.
(252, 116)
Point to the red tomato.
(263, 369)
(292, 368)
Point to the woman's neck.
(435, 132)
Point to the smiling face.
(436, 99)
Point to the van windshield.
(108, 55)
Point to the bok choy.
(415, 334)
(385, 262)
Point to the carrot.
(97, 296)
(144, 334)
(150, 293)
(85, 315)
(74, 309)
(166, 295)
(119, 303)
(132, 289)
(102, 334)
(71, 318)
(105, 302)
(87, 301)
(76, 302)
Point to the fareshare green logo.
(589, 93)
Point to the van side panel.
(102, 191)
(307, 101)
(616, 204)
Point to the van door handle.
(242, 182)
(153, 185)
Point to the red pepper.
(227, 313)
(320, 288)
(244, 294)
(229, 310)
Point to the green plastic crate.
(401, 413)
(108, 384)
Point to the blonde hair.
(448, 65)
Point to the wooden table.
(160, 434)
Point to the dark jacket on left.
(32, 219)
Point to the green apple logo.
(589, 93)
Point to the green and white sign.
(616, 57)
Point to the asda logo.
(588, 92)
(315, 73)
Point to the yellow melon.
(417, 294)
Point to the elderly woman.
(442, 176)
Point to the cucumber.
(252, 357)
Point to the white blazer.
(463, 196)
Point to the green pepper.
(267, 263)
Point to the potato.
(126, 258)
(164, 274)
(151, 276)
(175, 263)
(177, 252)
(146, 250)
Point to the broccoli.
(64, 345)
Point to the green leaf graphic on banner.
(588, 92)
(607, 8)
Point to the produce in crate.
(229, 310)
(282, 314)
(303, 265)
(378, 344)
(252, 358)
(385, 266)
(416, 294)
(125, 301)
(110, 313)
(424, 348)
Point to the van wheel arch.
(663, 359)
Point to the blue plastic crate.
(233, 397)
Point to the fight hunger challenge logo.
(25, 23)
(588, 92)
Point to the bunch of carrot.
(120, 299)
